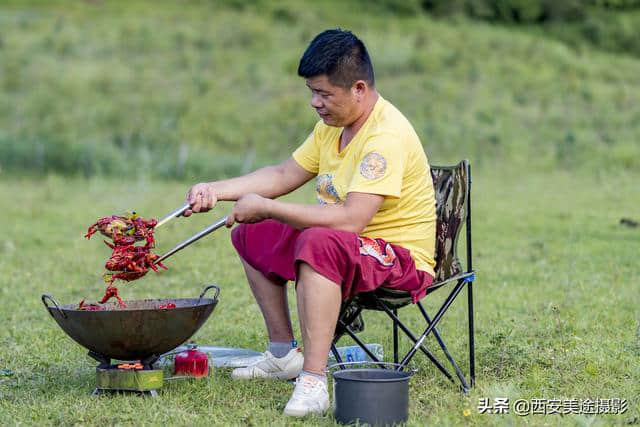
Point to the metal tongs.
(178, 212)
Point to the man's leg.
(272, 300)
(265, 246)
(318, 307)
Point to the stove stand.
(137, 377)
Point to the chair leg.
(472, 358)
(436, 319)
(444, 348)
(334, 350)
(413, 338)
(445, 306)
(341, 327)
(395, 338)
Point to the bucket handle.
(215, 297)
(46, 297)
(410, 371)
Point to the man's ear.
(359, 89)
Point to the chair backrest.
(452, 185)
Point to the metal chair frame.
(351, 310)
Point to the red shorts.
(358, 264)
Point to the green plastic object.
(129, 379)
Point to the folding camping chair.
(452, 186)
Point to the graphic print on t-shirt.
(372, 248)
(325, 191)
(373, 166)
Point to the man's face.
(335, 105)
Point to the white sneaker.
(309, 397)
(283, 368)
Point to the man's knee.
(267, 247)
(324, 251)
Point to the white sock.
(321, 377)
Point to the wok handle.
(215, 297)
(46, 297)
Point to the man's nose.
(316, 102)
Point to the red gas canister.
(192, 362)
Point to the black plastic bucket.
(371, 395)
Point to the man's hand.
(202, 198)
(249, 209)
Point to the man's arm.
(353, 215)
(269, 182)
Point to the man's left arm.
(353, 215)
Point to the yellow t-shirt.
(385, 157)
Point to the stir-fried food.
(128, 261)
(131, 262)
(90, 307)
(129, 228)
(110, 292)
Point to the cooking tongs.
(213, 227)
(173, 214)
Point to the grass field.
(556, 297)
(107, 106)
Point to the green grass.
(556, 298)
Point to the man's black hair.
(340, 55)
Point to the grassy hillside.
(199, 90)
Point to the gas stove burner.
(135, 366)
(138, 381)
(133, 377)
(105, 362)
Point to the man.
(374, 224)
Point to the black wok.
(138, 332)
